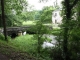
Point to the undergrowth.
(26, 44)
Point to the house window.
(55, 14)
(55, 21)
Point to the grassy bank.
(22, 47)
(24, 43)
(19, 48)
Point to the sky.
(39, 5)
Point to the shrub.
(1, 36)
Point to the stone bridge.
(16, 31)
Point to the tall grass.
(24, 43)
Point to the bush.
(1, 36)
(56, 54)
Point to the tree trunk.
(78, 14)
(38, 45)
(68, 9)
(66, 29)
(3, 19)
(0, 21)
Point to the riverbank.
(23, 47)
(10, 53)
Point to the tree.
(69, 33)
(12, 10)
(46, 14)
(28, 15)
(7, 7)
(40, 30)
(0, 15)
(13, 20)
(74, 39)
(3, 19)
(15, 5)
(68, 6)
(37, 14)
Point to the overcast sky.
(38, 6)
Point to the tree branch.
(74, 3)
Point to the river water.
(47, 44)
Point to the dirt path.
(3, 57)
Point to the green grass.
(48, 24)
(29, 23)
(21, 45)
(34, 23)
(24, 43)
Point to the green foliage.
(56, 31)
(13, 20)
(56, 53)
(74, 44)
(68, 41)
(25, 43)
(16, 5)
(8, 49)
(28, 16)
(12, 11)
(35, 27)
(40, 29)
(1, 37)
(74, 32)
(46, 14)
(70, 35)
(37, 15)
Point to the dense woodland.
(14, 12)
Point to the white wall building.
(56, 17)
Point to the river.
(47, 44)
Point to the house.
(56, 17)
